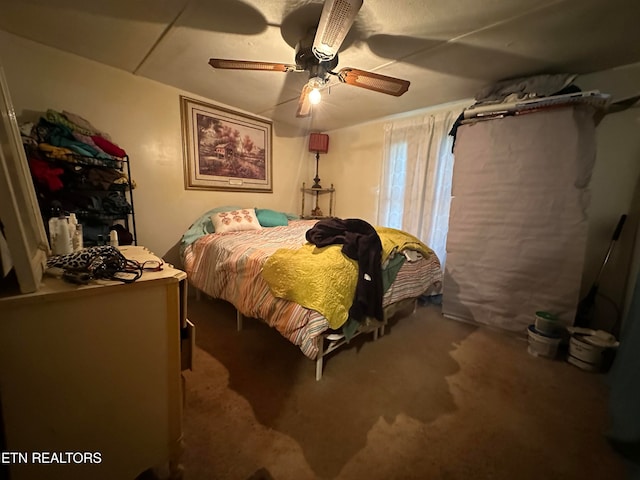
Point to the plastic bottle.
(53, 229)
(63, 242)
(113, 238)
(78, 243)
(72, 222)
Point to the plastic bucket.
(542, 345)
(547, 323)
(591, 352)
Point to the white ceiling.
(447, 49)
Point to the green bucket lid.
(546, 315)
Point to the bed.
(274, 274)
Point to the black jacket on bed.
(361, 243)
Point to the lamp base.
(316, 181)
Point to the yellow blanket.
(324, 279)
(396, 240)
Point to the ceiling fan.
(317, 54)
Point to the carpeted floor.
(432, 399)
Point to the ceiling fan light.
(335, 22)
(315, 96)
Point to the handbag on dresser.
(100, 262)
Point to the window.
(396, 189)
(416, 178)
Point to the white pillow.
(235, 220)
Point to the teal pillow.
(271, 218)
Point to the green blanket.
(324, 279)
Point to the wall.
(353, 165)
(615, 191)
(143, 117)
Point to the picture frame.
(224, 149)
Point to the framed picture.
(225, 150)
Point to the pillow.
(202, 226)
(235, 220)
(271, 218)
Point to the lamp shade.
(319, 142)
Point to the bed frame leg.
(320, 357)
(198, 294)
(381, 328)
(239, 319)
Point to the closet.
(518, 224)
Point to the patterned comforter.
(229, 266)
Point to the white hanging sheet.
(518, 226)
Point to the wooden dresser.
(94, 369)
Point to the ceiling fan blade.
(373, 81)
(249, 65)
(304, 105)
(335, 22)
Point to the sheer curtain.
(415, 188)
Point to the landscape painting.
(225, 150)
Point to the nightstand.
(316, 194)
